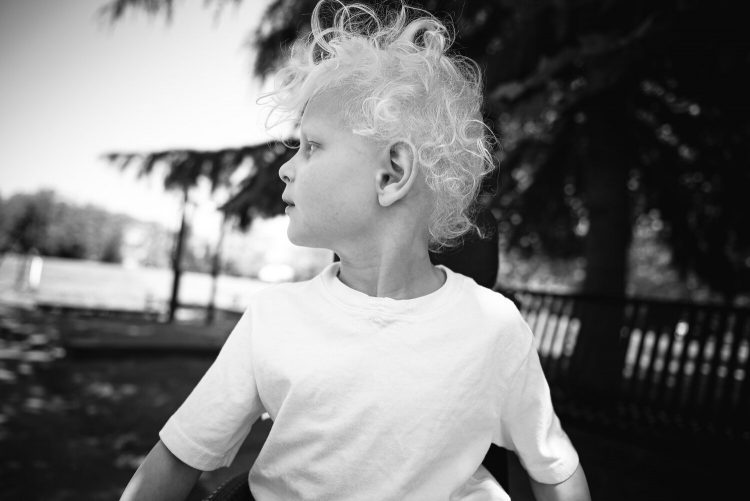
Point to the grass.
(77, 427)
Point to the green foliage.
(42, 222)
(112, 252)
(667, 81)
(116, 9)
(26, 221)
(656, 88)
(3, 219)
(259, 194)
(655, 92)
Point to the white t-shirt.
(374, 398)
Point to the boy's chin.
(303, 240)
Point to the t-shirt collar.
(341, 293)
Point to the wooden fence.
(683, 365)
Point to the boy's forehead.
(324, 108)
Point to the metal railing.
(682, 364)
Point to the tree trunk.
(609, 234)
(215, 271)
(177, 258)
(598, 358)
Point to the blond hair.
(399, 81)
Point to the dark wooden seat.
(234, 489)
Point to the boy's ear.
(396, 177)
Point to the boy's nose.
(285, 172)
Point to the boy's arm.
(575, 488)
(161, 476)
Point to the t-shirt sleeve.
(209, 427)
(528, 423)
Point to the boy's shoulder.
(501, 313)
(492, 302)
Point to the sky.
(73, 87)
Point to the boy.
(387, 378)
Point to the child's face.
(331, 180)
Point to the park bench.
(60, 309)
(186, 312)
(683, 366)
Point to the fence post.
(596, 365)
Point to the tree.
(3, 222)
(607, 110)
(27, 221)
(184, 169)
(43, 222)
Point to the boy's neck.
(405, 276)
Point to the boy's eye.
(310, 147)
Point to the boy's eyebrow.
(298, 120)
(304, 131)
(298, 123)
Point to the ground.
(75, 427)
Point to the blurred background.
(140, 206)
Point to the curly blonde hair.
(400, 82)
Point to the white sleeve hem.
(189, 452)
(558, 472)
